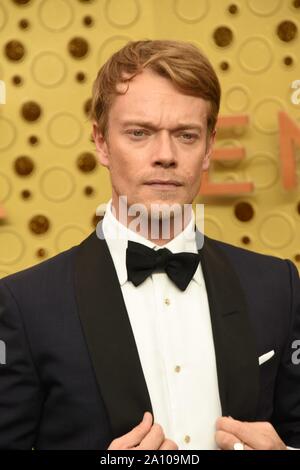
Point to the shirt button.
(187, 439)
(177, 369)
(167, 301)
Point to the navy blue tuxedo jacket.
(72, 378)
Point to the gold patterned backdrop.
(50, 182)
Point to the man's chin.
(155, 207)
(164, 210)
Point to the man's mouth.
(163, 184)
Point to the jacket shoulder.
(251, 262)
(51, 270)
(234, 251)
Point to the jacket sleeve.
(286, 417)
(20, 388)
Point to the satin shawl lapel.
(109, 336)
(235, 348)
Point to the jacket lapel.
(109, 336)
(235, 348)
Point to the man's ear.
(101, 146)
(209, 149)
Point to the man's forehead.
(151, 98)
(149, 84)
(139, 113)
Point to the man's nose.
(164, 152)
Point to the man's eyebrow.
(150, 125)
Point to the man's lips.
(163, 184)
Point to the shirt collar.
(117, 236)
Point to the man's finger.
(135, 436)
(257, 435)
(168, 445)
(235, 427)
(226, 441)
(154, 439)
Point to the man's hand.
(145, 436)
(254, 436)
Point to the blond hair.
(181, 62)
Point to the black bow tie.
(142, 261)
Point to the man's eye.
(137, 132)
(187, 136)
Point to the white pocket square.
(265, 357)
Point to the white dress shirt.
(173, 334)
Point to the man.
(138, 339)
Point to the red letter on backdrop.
(289, 133)
(229, 153)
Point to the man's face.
(156, 145)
